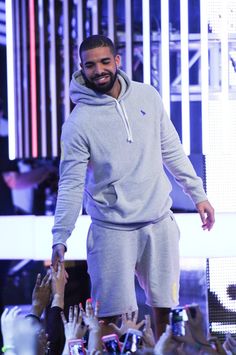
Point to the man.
(114, 145)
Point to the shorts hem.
(162, 305)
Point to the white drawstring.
(123, 114)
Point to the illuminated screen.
(221, 283)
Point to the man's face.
(99, 68)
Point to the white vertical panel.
(128, 37)
(53, 81)
(165, 56)
(221, 158)
(185, 75)
(146, 42)
(19, 80)
(25, 73)
(111, 20)
(204, 75)
(224, 52)
(95, 26)
(225, 76)
(80, 21)
(11, 81)
(66, 45)
(42, 78)
(214, 65)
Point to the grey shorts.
(115, 256)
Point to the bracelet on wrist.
(6, 348)
(33, 316)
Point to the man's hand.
(58, 252)
(207, 214)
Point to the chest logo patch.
(143, 112)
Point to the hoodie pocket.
(132, 194)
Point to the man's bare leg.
(160, 319)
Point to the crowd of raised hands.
(82, 332)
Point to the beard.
(101, 88)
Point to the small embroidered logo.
(143, 112)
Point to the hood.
(80, 93)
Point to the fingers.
(231, 341)
(129, 316)
(207, 215)
(132, 316)
(71, 314)
(96, 309)
(10, 313)
(135, 316)
(210, 222)
(66, 274)
(140, 324)
(89, 308)
(58, 252)
(147, 321)
(38, 280)
(203, 218)
(123, 318)
(81, 307)
(63, 318)
(76, 313)
(112, 325)
(47, 279)
(81, 312)
(60, 273)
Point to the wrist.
(34, 316)
(8, 349)
(36, 310)
(58, 301)
(95, 330)
(201, 340)
(201, 345)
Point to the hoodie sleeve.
(73, 166)
(177, 162)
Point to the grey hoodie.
(113, 151)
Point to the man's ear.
(117, 60)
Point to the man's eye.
(87, 66)
(106, 61)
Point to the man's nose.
(99, 68)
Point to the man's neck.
(116, 89)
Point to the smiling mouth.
(102, 79)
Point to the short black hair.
(96, 41)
